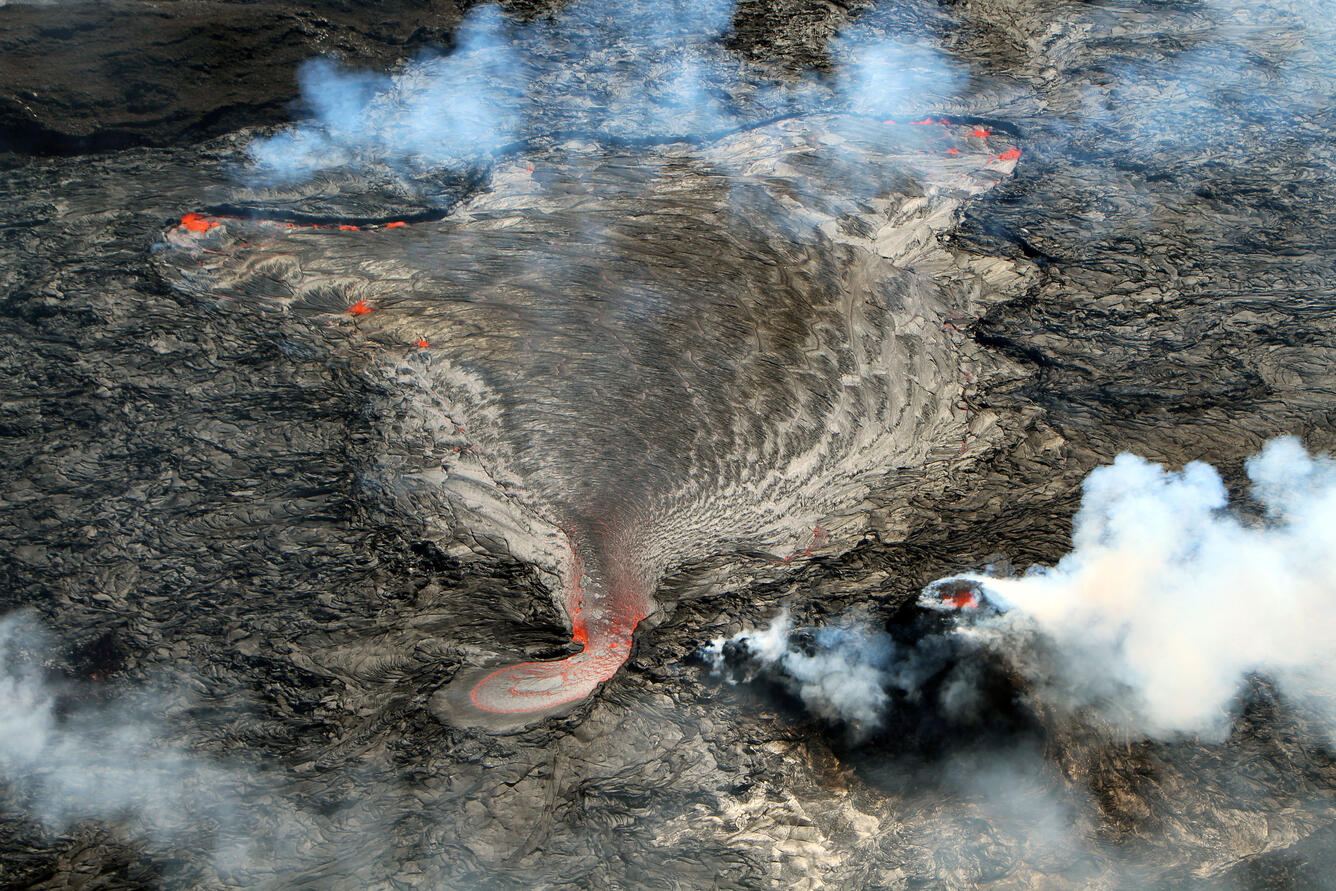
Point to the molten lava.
(966, 599)
(604, 633)
(196, 223)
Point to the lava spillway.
(651, 357)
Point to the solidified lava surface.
(540, 324)
(279, 471)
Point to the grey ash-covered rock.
(194, 504)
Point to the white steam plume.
(600, 68)
(1166, 603)
(113, 761)
(1167, 600)
(841, 676)
(852, 674)
(440, 110)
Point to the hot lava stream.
(603, 631)
(623, 362)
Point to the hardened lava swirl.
(628, 360)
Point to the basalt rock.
(256, 562)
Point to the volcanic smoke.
(1168, 599)
(1166, 603)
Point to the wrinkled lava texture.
(244, 539)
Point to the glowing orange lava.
(196, 223)
(966, 599)
(605, 646)
(603, 629)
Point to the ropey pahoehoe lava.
(399, 398)
(636, 359)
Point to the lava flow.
(538, 686)
(560, 389)
(604, 612)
